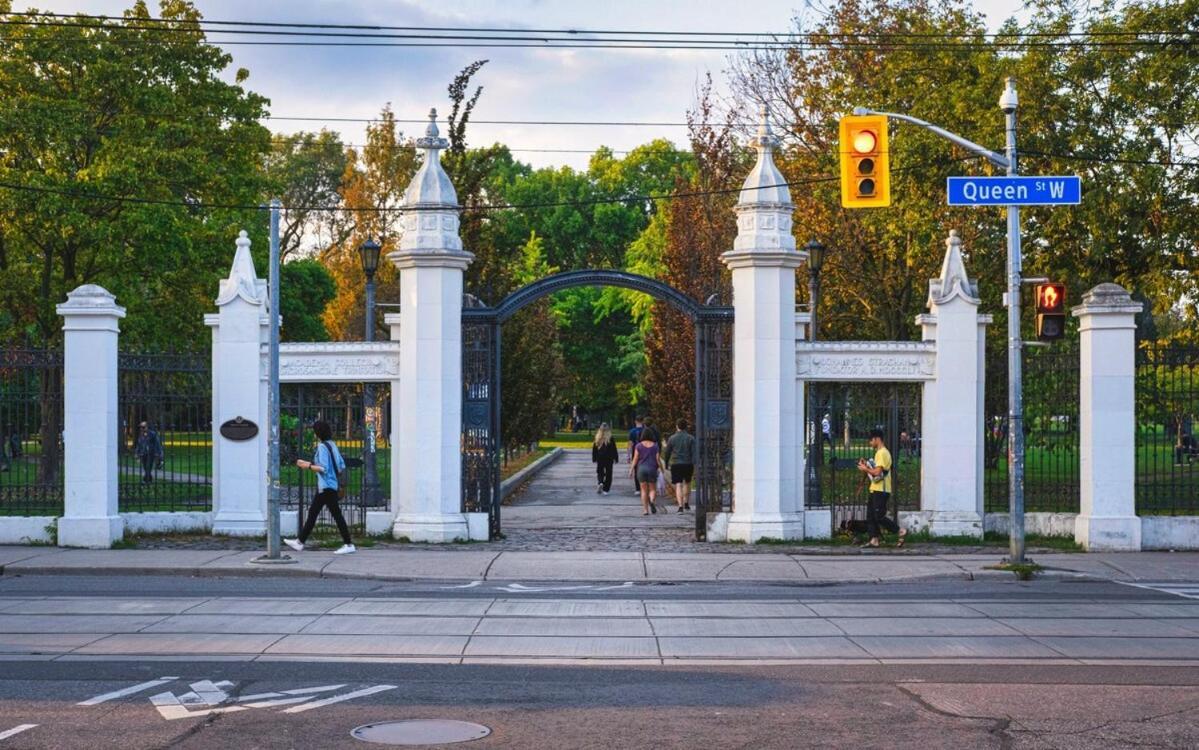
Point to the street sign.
(1014, 191)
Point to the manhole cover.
(420, 732)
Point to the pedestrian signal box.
(1051, 311)
(865, 162)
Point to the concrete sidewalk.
(478, 563)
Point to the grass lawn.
(517, 464)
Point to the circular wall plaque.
(239, 428)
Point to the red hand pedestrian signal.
(1051, 311)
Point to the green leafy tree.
(107, 133)
(305, 288)
(306, 171)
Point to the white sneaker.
(345, 549)
(605, 492)
(294, 544)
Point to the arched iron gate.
(481, 389)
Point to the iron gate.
(851, 411)
(342, 405)
(481, 389)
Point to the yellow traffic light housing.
(865, 162)
(1051, 310)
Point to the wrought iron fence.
(31, 423)
(342, 405)
(851, 411)
(165, 425)
(1167, 455)
(1051, 451)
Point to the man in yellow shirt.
(879, 471)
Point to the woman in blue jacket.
(328, 464)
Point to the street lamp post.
(816, 448)
(368, 253)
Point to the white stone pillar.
(240, 330)
(90, 419)
(426, 480)
(768, 494)
(951, 448)
(1107, 518)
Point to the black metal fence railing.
(850, 411)
(165, 425)
(1051, 449)
(31, 423)
(1167, 455)
(343, 406)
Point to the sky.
(519, 84)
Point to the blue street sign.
(1014, 191)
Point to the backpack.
(341, 474)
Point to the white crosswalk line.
(103, 698)
(339, 698)
(16, 730)
(1185, 589)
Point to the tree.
(305, 171)
(700, 228)
(305, 288)
(119, 144)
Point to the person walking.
(644, 467)
(679, 456)
(634, 438)
(604, 455)
(878, 470)
(148, 450)
(328, 465)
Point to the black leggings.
(325, 499)
(603, 474)
(876, 515)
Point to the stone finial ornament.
(430, 223)
(953, 281)
(242, 281)
(764, 206)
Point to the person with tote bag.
(329, 467)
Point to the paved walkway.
(1145, 629)
(563, 498)
(481, 562)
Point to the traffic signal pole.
(1006, 161)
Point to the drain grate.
(420, 732)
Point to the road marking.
(470, 585)
(16, 730)
(103, 698)
(339, 698)
(516, 588)
(1185, 589)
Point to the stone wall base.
(752, 529)
(93, 533)
(434, 528)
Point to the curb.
(513, 483)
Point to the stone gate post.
(426, 477)
(768, 414)
(951, 494)
(90, 518)
(240, 330)
(1107, 518)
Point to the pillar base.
(436, 528)
(752, 529)
(239, 524)
(818, 523)
(94, 533)
(955, 523)
(379, 522)
(1108, 533)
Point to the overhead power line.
(596, 32)
(319, 35)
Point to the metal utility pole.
(1015, 385)
(1006, 161)
(273, 536)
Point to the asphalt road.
(196, 703)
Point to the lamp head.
(368, 253)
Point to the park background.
(133, 150)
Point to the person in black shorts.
(679, 456)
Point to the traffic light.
(865, 162)
(1051, 311)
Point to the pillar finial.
(953, 281)
(765, 183)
